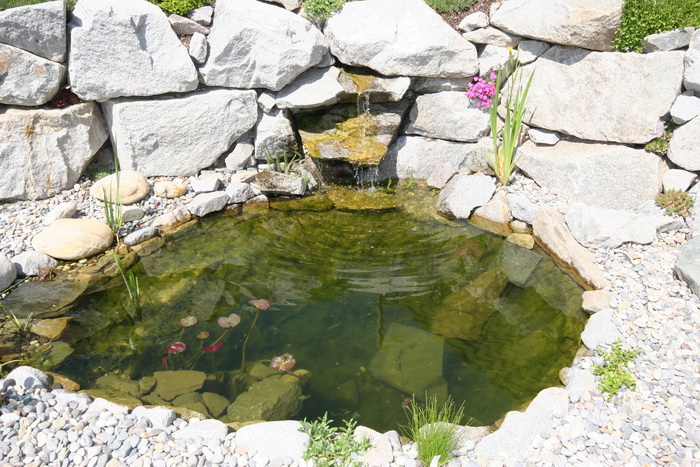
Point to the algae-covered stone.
(147, 384)
(216, 404)
(117, 397)
(191, 400)
(464, 313)
(410, 360)
(341, 134)
(346, 199)
(117, 383)
(275, 398)
(43, 299)
(170, 384)
(49, 328)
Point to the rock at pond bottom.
(49, 328)
(274, 398)
(410, 360)
(346, 199)
(170, 384)
(464, 313)
(73, 239)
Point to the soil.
(453, 19)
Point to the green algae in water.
(379, 306)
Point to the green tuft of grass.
(7, 4)
(434, 428)
(450, 6)
(641, 18)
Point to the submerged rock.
(274, 398)
(170, 384)
(346, 199)
(464, 313)
(43, 299)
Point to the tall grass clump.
(641, 18)
(449, 6)
(504, 158)
(180, 7)
(434, 428)
(113, 207)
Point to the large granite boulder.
(178, 135)
(258, 45)
(551, 232)
(126, 48)
(418, 157)
(573, 169)
(684, 147)
(688, 264)
(400, 37)
(448, 115)
(608, 228)
(27, 79)
(691, 76)
(39, 29)
(274, 439)
(464, 193)
(317, 87)
(562, 98)
(44, 151)
(590, 24)
(73, 239)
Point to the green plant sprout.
(281, 162)
(676, 202)
(113, 207)
(614, 371)
(503, 158)
(179, 7)
(322, 9)
(331, 446)
(132, 287)
(433, 428)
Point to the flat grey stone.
(464, 193)
(30, 263)
(668, 40)
(687, 265)
(39, 29)
(596, 300)
(206, 203)
(678, 179)
(62, 211)
(28, 79)
(140, 235)
(608, 228)
(686, 108)
(600, 330)
(43, 299)
(522, 208)
(449, 116)
(274, 439)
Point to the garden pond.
(377, 304)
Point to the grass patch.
(614, 371)
(641, 18)
(332, 446)
(7, 4)
(449, 6)
(433, 428)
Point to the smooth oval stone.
(133, 187)
(73, 239)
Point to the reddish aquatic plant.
(284, 362)
(213, 348)
(174, 348)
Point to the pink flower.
(176, 347)
(284, 362)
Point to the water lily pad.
(202, 335)
(283, 362)
(260, 304)
(229, 321)
(188, 321)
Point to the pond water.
(378, 306)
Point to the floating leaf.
(176, 347)
(260, 304)
(229, 321)
(283, 362)
(188, 321)
(213, 348)
(202, 335)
